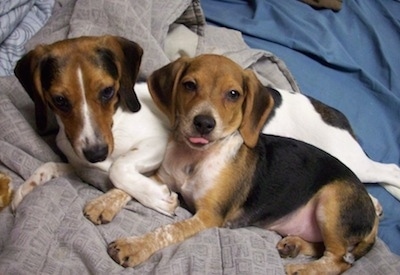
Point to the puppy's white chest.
(188, 174)
(192, 172)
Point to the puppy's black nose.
(96, 153)
(204, 124)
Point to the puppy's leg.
(132, 251)
(345, 234)
(129, 173)
(103, 209)
(43, 174)
(369, 171)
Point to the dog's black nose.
(96, 153)
(204, 124)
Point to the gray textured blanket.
(50, 235)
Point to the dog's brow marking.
(88, 133)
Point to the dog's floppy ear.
(257, 106)
(130, 62)
(163, 85)
(27, 71)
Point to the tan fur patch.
(5, 191)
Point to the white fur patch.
(87, 134)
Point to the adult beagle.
(106, 121)
(230, 175)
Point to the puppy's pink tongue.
(198, 140)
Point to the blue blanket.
(348, 59)
(19, 21)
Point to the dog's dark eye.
(190, 85)
(61, 103)
(233, 95)
(106, 94)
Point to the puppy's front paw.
(43, 174)
(103, 209)
(167, 204)
(159, 198)
(20, 194)
(130, 252)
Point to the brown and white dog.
(106, 121)
(230, 175)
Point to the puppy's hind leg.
(387, 175)
(369, 171)
(348, 225)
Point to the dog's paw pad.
(168, 204)
(288, 247)
(98, 213)
(130, 252)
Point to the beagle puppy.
(106, 121)
(230, 175)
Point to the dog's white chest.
(187, 173)
(193, 172)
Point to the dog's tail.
(6, 191)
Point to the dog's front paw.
(130, 252)
(21, 193)
(166, 203)
(43, 174)
(288, 247)
(103, 209)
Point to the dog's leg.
(103, 209)
(129, 173)
(344, 240)
(292, 246)
(43, 174)
(132, 251)
(388, 175)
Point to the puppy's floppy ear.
(163, 86)
(257, 106)
(27, 71)
(130, 63)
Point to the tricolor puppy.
(105, 121)
(230, 175)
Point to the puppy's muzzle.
(204, 124)
(96, 153)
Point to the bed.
(48, 234)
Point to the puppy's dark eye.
(107, 94)
(232, 95)
(190, 85)
(61, 103)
